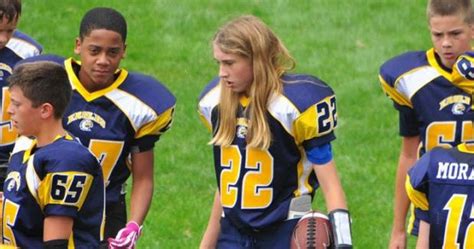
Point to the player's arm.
(325, 169)
(335, 203)
(57, 230)
(142, 185)
(142, 165)
(140, 200)
(209, 239)
(423, 241)
(407, 158)
(330, 185)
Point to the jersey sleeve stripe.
(410, 82)
(417, 198)
(137, 111)
(393, 94)
(283, 110)
(307, 126)
(23, 48)
(158, 125)
(205, 122)
(207, 104)
(32, 180)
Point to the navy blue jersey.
(428, 103)
(60, 179)
(441, 186)
(256, 186)
(19, 47)
(127, 117)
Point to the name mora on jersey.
(455, 171)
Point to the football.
(313, 230)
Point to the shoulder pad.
(397, 66)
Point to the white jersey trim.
(32, 179)
(283, 110)
(409, 83)
(136, 110)
(22, 48)
(208, 102)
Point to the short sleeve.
(149, 134)
(64, 193)
(315, 126)
(409, 124)
(422, 215)
(417, 183)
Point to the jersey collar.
(34, 143)
(431, 55)
(244, 101)
(90, 96)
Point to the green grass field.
(342, 42)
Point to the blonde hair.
(449, 8)
(249, 37)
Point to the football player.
(441, 187)
(14, 46)
(271, 141)
(119, 115)
(432, 107)
(54, 190)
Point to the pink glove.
(126, 237)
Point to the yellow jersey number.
(255, 189)
(455, 207)
(8, 134)
(10, 212)
(444, 133)
(108, 153)
(66, 188)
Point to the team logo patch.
(86, 125)
(13, 181)
(458, 109)
(88, 120)
(458, 103)
(242, 124)
(241, 131)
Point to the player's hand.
(398, 239)
(127, 237)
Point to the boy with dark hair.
(54, 190)
(14, 46)
(119, 115)
(432, 107)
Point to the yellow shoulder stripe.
(417, 198)
(394, 94)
